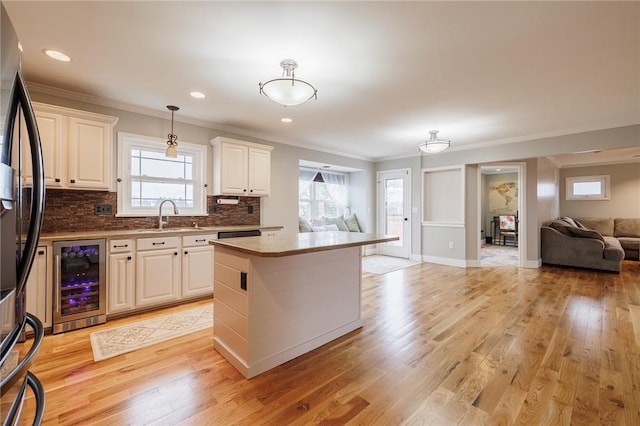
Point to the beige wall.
(625, 192)
(547, 190)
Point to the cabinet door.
(259, 172)
(51, 128)
(39, 296)
(121, 285)
(233, 173)
(157, 277)
(197, 271)
(89, 154)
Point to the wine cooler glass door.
(80, 281)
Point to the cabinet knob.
(128, 257)
(175, 254)
(57, 180)
(244, 190)
(73, 181)
(186, 252)
(251, 190)
(40, 252)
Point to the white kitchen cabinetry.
(77, 148)
(197, 265)
(241, 168)
(157, 271)
(39, 295)
(121, 278)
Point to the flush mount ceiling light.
(172, 138)
(287, 90)
(434, 145)
(58, 56)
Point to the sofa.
(590, 242)
(625, 230)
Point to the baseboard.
(533, 264)
(460, 263)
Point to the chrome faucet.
(175, 211)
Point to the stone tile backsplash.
(74, 210)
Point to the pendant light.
(434, 145)
(288, 90)
(172, 138)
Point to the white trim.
(605, 193)
(429, 224)
(407, 205)
(463, 192)
(522, 209)
(460, 263)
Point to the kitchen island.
(278, 297)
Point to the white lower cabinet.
(39, 294)
(197, 265)
(147, 272)
(121, 273)
(157, 271)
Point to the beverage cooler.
(79, 284)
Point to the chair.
(508, 229)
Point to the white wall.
(547, 191)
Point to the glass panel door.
(394, 207)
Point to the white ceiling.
(386, 72)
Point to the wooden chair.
(508, 229)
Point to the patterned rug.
(383, 264)
(127, 338)
(491, 255)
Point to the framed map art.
(503, 197)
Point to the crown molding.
(123, 106)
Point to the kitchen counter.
(308, 242)
(278, 297)
(134, 233)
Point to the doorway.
(501, 203)
(394, 211)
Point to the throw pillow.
(585, 233)
(561, 226)
(569, 220)
(336, 221)
(352, 223)
(304, 225)
(318, 228)
(331, 227)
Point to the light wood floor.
(440, 345)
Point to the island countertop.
(288, 244)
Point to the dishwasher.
(236, 234)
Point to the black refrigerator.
(21, 211)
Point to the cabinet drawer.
(197, 240)
(158, 243)
(121, 246)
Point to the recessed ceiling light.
(286, 120)
(497, 170)
(58, 56)
(197, 95)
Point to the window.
(147, 176)
(588, 188)
(322, 199)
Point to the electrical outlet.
(450, 244)
(250, 209)
(213, 209)
(102, 209)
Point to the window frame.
(605, 193)
(127, 142)
(313, 201)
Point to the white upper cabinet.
(241, 168)
(77, 147)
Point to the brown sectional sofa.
(596, 243)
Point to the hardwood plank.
(440, 345)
